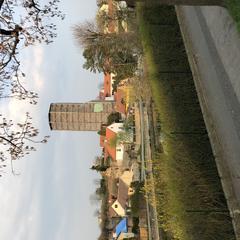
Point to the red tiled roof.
(107, 85)
(112, 196)
(122, 193)
(112, 188)
(120, 105)
(110, 150)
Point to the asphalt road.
(219, 96)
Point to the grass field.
(233, 7)
(190, 201)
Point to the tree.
(107, 52)
(128, 124)
(99, 168)
(17, 140)
(113, 117)
(99, 164)
(118, 16)
(125, 136)
(22, 24)
(101, 2)
(102, 131)
(100, 192)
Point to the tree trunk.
(14, 31)
(1, 3)
(6, 32)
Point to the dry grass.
(190, 200)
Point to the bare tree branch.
(18, 32)
(17, 139)
(1, 3)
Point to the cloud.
(37, 77)
(24, 198)
(32, 60)
(16, 110)
(15, 193)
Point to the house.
(121, 204)
(120, 101)
(128, 235)
(127, 178)
(120, 228)
(112, 187)
(107, 89)
(115, 139)
(125, 190)
(122, 96)
(112, 148)
(113, 217)
(122, 231)
(107, 85)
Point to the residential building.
(121, 204)
(120, 228)
(120, 99)
(124, 236)
(127, 178)
(112, 147)
(107, 89)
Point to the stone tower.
(79, 116)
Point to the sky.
(50, 199)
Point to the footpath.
(213, 47)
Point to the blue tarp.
(121, 227)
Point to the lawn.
(233, 7)
(190, 200)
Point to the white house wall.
(112, 75)
(119, 153)
(117, 207)
(116, 127)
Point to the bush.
(113, 117)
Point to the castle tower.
(79, 116)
